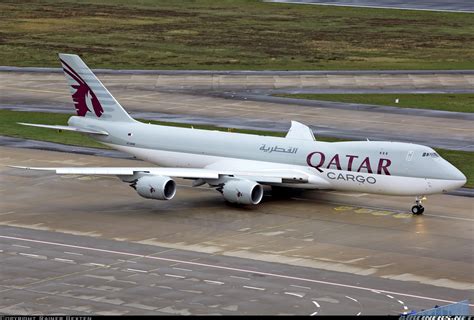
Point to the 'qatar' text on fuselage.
(348, 162)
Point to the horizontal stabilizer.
(65, 128)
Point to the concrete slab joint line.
(245, 72)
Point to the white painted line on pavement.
(73, 253)
(64, 260)
(254, 288)
(30, 255)
(242, 278)
(214, 282)
(275, 275)
(94, 264)
(294, 294)
(174, 276)
(182, 269)
(137, 270)
(20, 246)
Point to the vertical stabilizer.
(91, 98)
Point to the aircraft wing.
(269, 176)
(128, 171)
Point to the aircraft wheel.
(417, 210)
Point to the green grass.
(231, 34)
(9, 127)
(447, 102)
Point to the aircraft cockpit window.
(430, 154)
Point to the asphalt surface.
(225, 100)
(464, 144)
(266, 96)
(42, 270)
(429, 5)
(242, 72)
(65, 249)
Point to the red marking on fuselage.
(365, 165)
(349, 162)
(83, 92)
(317, 160)
(335, 161)
(383, 166)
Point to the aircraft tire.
(417, 210)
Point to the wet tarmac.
(63, 248)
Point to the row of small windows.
(430, 154)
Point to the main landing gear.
(418, 209)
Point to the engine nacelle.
(242, 192)
(156, 187)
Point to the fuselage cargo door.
(408, 163)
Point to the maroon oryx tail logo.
(84, 98)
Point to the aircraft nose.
(462, 178)
(458, 176)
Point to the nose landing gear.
(418, 209)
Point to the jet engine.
(242, 192)
(156, 187)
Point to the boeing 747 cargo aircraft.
(239, 165)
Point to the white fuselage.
(364, 166)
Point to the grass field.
(9, 127)
(446, 102)
(231, 34)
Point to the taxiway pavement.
(193, 98)
(65, 248)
